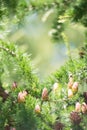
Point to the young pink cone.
(70, 93)
(37, 108)
(14, 85)
(13, 128)
(24, 93)
(70, 83)
(45, 94)
(84, 107)
(75, 87)
(21, 97)
(78, 107)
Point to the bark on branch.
(3, 94)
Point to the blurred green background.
(34, 37)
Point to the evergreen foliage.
(54, 103)
(60, 102)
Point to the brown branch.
(7, 127)
(3, 94)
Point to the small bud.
(70, 93)
(78, 107)
(55, 86)
(21, 97)
(45, 94)
(75, 87)
(14, 85)
(24, 93)
(84, 107)
(13, 128)
(37, 109)
(70, 84)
